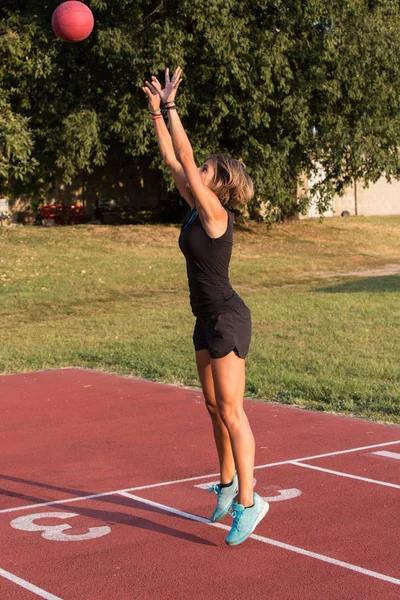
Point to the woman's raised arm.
(165, 144)
(211, 208)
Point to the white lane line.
(281, 494)
(341, 474)
(388, 454)
(209, 476)
(174, 511)
(271, 542)
(359, 449)
(28, 586)
(268, 465)
(64, 501)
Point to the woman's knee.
(212, 408)
(232, 417)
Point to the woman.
(223, 326)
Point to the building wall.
(347, 201)
(380, 198)
(312, 209)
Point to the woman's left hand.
(171, 85)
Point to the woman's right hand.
(153, 96)
(171, 85)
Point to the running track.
(102, 497)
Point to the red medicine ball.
(72, 21)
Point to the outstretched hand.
(171, 85)
(152, 94)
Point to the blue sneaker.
(245, 520)
(226, 496)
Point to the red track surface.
(72, 433)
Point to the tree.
(16, 145)
(288, 86)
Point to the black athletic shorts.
(220, 334)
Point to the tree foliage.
(16, 145)
(287, 85)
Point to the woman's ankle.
(245, 500)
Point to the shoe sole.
(248, 534)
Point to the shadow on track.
(109, 517)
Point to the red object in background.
(72, 21)
(63, 214)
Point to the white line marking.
(388, 454)
(280, 495)
(327, 559)
(288, 494)
(154, 485)
(267, 465)
(28, 586)
(287, 462)
(174, 511)
(341, 474)
(64, 501)
(55, 532)
(265, 540)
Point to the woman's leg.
(228, 375)
(221, 435)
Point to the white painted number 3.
(55, 532)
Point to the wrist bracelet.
(156, 112)
(156, 117)
(170, 107)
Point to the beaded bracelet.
(155, 112)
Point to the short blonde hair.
(232, 184)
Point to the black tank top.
(207, 266)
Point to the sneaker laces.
(236, 514)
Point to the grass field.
(116, 299)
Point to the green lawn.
(115, 299)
